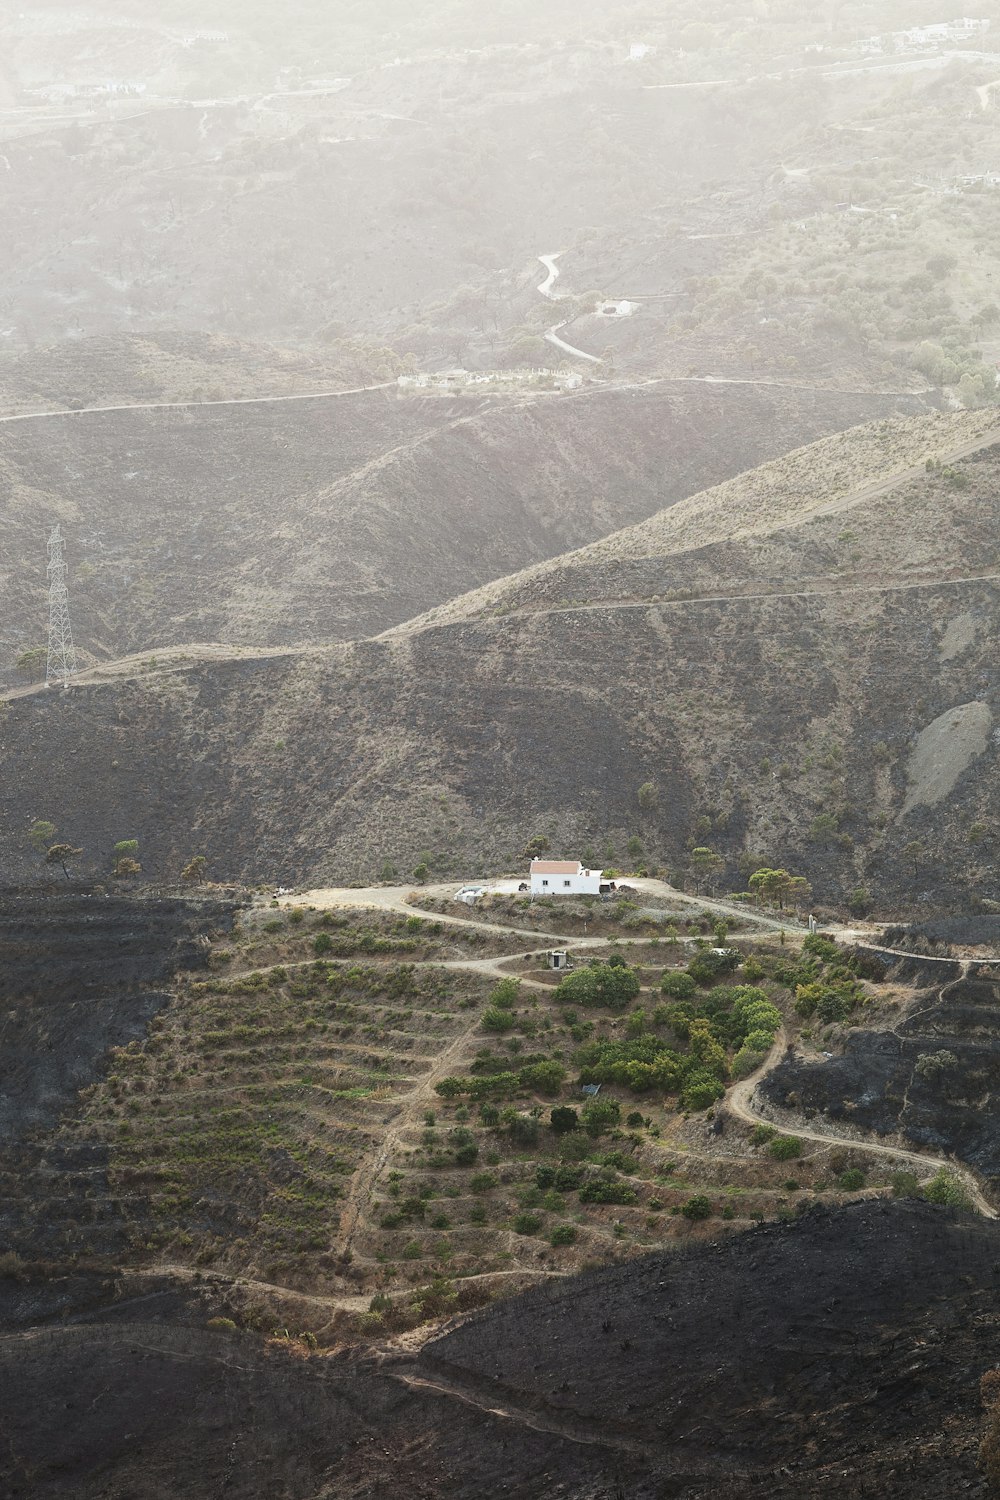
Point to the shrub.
(851, 1180)
(761, 1134)
(698, 1207)
(701, 1090)
(527, 1224)
(823, 947)
(568, 1178)
(905, 1185)
(613, 986)
(599, 1115)
(504, 997)
(523, 1130)
(564, 1119)
(322, 943)
(708, 966)
(677, 984)
(946, 1189)
(604, 1190)
(786, 1148)
(563, 1234)
(546, 1077)
(498, 1020)
(482, 1182)
(222, 1325)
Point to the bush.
(222, 1325)
(708, 966)
(600, 1115)
(564, 1119)
(498, 1020)
(563, 1234)
(905, 1185)
(604, 1190)
(823, 947)
(946, 1189)
(523, 1130)
(610, 985)
(677, 984)
(545, 1077)
(322, 943)
(786, 1148)
(851, 1180)
(504, 997)
(700, 1091)
(761, 1134)
(698, 1207)
(568, 1178)
(527, 1224)
(482, 1182)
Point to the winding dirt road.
(739, 1102)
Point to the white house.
(560, 877)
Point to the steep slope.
(838, 1356)
(828, 705)
(284, 521)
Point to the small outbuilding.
(558, 877)
(558, 958)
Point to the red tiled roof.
(556, 867)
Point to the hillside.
(648, 1379)
(303, 521)
(753, 189)
(822, 698)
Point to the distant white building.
(640, 50)
(621, 309)
(559, 877)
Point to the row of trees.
(42, 836)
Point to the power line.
(61, 664)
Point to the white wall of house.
(557, 878)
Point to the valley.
(499, 907)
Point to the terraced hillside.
(276, 522)
(357, 1117)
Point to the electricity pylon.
(61, 664)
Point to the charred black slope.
(930, 1079)
(318, 770)
(80, 973)
(306, 521)
(838, 1356)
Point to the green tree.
(194, 871)
(648, 795)
(705, 866)
(421, 873)
(125, 861)
(41, 836)
(698, 1207)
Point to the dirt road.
(739, 1102)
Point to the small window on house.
(545, 882)
(568, 884)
